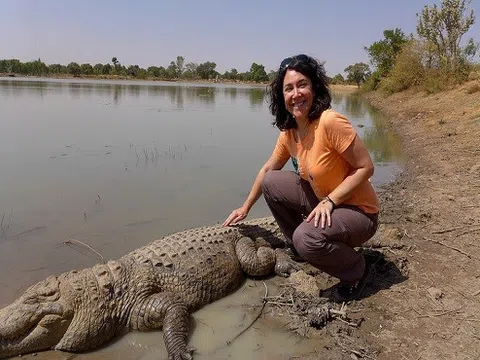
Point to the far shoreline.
(338, 87)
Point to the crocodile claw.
(285, 266)
(184, 355)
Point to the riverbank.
(131, 78)
(349, 88)
(435, 206)
(422, 301)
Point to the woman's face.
(298, 94)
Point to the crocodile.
(155, 287)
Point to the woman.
(329, 206)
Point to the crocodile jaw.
(36, 321)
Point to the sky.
(233, 34)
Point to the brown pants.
(291, 199)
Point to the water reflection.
(231, 92)
(381, 143)
(384, 146)
(256, 97)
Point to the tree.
(257, 73)
(231, 75)
(74, 69)
(172, 70)
(207, 70)
(190, 70)
(107, 69)
(57, 69)
(116, 66)
(133, 70)
(86, 69)
(444, 27)
(272, 75)
(98, 69)
(338, 79)
(179, 65)
(382, 53)
(153, 71)
(357, 73)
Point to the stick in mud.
(71, 241)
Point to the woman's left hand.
(323, 213)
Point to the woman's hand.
(236, 215)
(322, 212)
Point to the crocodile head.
(36, 321)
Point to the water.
(117, 164)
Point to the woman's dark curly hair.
(321, 94)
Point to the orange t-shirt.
(320, 161)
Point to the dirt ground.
(423, 300)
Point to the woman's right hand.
(236, 215)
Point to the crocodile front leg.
(264, 260)
(169, 312)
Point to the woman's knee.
(306, 243)
(269, 180)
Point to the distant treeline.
(177, 70)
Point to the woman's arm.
(241, 213)
(359, 159)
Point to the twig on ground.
(453, 248)
(352, 351)
(446, 230)
(468, 231)
(229, 342)
(439, 314)
(70, 241)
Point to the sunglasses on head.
(287, 61)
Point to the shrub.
(372, 82)
(408, 70)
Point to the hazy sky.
(230, 33)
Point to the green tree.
(231, 75)
(74, 69)
(57, 69)
(86, 69)
(338, 79)
(258, 73)
(98, 69)
(133, 70)
(11, 66)
(153, 71)
(272, 75)
(172, 71)
(357, 73)
(107, 69)
(382, 53)
(36, 67)
(179, 65)
(207, 70)
(190, 70)
(117, 67)
(443, 27)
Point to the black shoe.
(349, 292)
